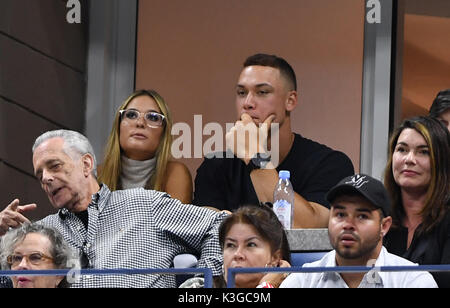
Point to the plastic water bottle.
(283, 199)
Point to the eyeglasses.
(152, 119)
(34, 258)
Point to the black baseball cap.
(370, 188)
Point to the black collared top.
(425, 249)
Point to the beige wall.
(42, 85)
(426, 66)
(192, 53)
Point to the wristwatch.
(259, 161)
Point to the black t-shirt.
(428, 248)
(225, 183)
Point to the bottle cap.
(284, 174)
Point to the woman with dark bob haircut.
(417, 177)
(251, 237)
(254, 237)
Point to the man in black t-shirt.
(266, 94)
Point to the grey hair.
(63, 255)
(72, 140)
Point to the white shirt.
(372, 279)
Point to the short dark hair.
(440, 104)
(276, 62)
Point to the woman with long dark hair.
(417, 177)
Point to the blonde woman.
(138, 150)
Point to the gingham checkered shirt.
(137, 229)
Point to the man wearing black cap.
(359, 219)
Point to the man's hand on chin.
(245, 139)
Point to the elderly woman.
(35, 247)
(417, 177)
(138, 150)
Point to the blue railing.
(339, 269)
(207, 273)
